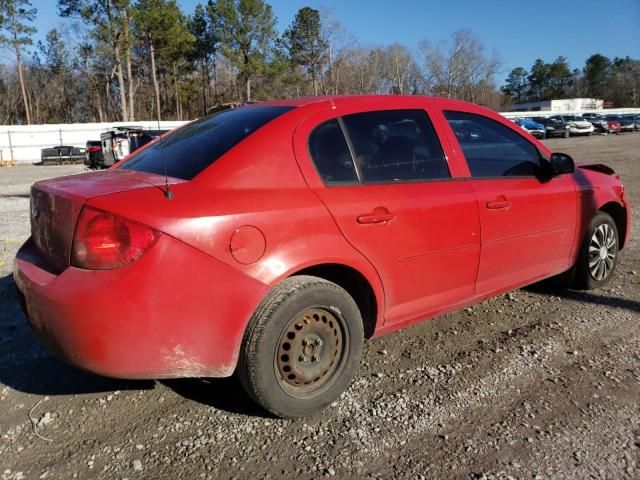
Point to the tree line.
(147, 59)
(617, 81)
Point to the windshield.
(190, 149)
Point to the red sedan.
(272, 239)
(614, 126)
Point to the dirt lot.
(534, 384)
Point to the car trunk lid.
(56, 206)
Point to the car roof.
(346, 100)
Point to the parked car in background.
(94, 158)
(533, 127)
(599, 122)
(554, 127)
(119, 142)
(62, 154)
(635, 119)
(283, 234)
(626, 124)
(614, 126)
(577, 124)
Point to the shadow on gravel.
(615, 302)
(28, 367)
(588, 297)
(221, 393)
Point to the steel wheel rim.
(602, 252)
(311, 352)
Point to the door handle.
(499, 205)
(378, 215)
(372, 218)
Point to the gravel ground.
(536, 383)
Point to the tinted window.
(492, 149)
(192, 148)
(330, 153)
(395, 145)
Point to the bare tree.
(459, 68)
(339, 43)
(401, 70)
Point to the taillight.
(104, 241)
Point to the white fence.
(23, 143)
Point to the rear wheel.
(302, 347)
(598, 253)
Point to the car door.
(528, 221)
(385, 179)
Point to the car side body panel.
(521, 214)
(434, 225)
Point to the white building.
(564, 105)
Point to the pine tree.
(539, 80)
(247, 31)
(162, 28)
(559, 77)
(597, 70)
(204, 48)
(305, 44)
(517, 84)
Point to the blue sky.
(519, 30)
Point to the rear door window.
(190, 149)
(395, 146)
(492, 149)
(330, 154)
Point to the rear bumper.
(176, 312)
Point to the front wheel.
(598, 254)
(302, 347)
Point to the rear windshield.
(192, 148)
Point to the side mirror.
(562, 163)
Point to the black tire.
(299, 320)
(585, 277)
